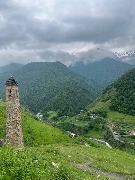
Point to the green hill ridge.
(123, 101)
(48, 86)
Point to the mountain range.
(104, 71)
(128, 57)
(46, 86)
(71, 58)
(51, 86)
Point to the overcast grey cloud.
(29, 29)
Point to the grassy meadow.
(49, 154)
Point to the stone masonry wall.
(13, 117)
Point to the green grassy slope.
(35, 133)
(72, 162)
(2, 119)
(50, 154)
(100, 105)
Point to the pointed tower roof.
(11, 81)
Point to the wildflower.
(55, 164)
(98, 176)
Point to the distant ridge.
(10, 68)
(128, 57)
(104, 71)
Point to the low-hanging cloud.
(29, 28)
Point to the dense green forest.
(10, 68)
(48, 86)
(104, 71)
(124, 90)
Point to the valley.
(78, 132)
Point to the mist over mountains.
(67, 58)
(127, 57)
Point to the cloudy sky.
(28, 28)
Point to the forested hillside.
(52, 86)
(104, 72)
(120, 95)
(117, 105)
(123, 99)
(111, 116)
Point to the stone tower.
(13, 116)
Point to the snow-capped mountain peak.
(127, 57)
(125, 54)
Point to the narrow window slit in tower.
(10, 93)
